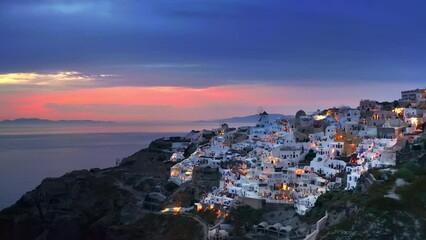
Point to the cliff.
(98, 204)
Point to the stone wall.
(254, 203)
(319, 226)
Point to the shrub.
(405, 174)
(189, 150)
(244, 217)
(171, 186)
(310, 156)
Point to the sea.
(31, 152)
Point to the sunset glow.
(163, 103)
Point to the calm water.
(27, 159)
(30, 153)
(18, 129)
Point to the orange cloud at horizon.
(161, 103)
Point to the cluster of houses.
(295, 160)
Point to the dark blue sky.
(218, 42)
(197, 59)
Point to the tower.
(263, 119)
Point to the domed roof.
(263, 224)
(300, 113)
(278, 226)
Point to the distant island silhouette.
(244, 119)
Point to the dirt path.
(201, 221)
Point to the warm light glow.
(177, 209)
(211, 207)
(414, 122)
(398, 111)
(199, 206)
(165, 210)
(319, 117)
(376, 116)
(300, 171)
(174, 173)
(174, 210)
(339, 137)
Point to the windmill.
(263, 117)
(260, 110)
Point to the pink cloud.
(175, 103)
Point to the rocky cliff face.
(97, 204)
(205, 179)
(77, 204)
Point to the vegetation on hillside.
(374, 214)
(156, 227)
(243, 218)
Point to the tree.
(407, 146)
(310, 155)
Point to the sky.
(181, 60)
